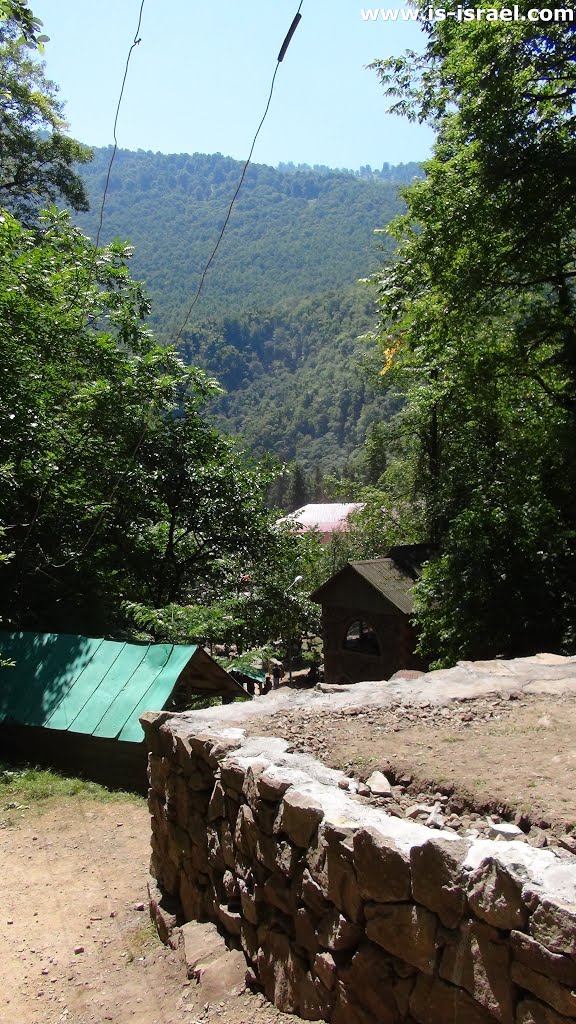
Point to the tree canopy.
(477, 321)
(37, 157)
(114, 486)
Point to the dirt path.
(75, 879)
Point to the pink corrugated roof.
(324, 516)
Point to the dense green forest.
(291, 234)
(299, 382)
(280, 314)
(478, 326)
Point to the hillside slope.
(297, 378)
(291, 234)
(280, 313)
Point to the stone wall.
(344, 913)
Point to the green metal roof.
(92, 686)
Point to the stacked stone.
(346, 914)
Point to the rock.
(325, 969)
(286, 981)
(407, 931)
(504, 829)
(369, 981)
(335, 932)
(538, 838)
(560, 998)
(479, 961)
(163, 911)
(435, 819)
(230, 886)
(232, 775)
(435, 1002)
(379, 784)
(568, 842)
(418, 810)
(554, 926)
(383, 871)
(216, 807)
(495, 895)
(246, 833)
(535, 956)
(341, 883)
(78, 949)
(225, 976)
(202, 944)
(277, 779)
(531, 1012)
(305, 932)
(347, 1010)
(300, 816)
(277, 892)
(438, 879)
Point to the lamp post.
(289, 608)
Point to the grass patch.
(27, 784)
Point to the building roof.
(388, 579)
(326, 517)
(383, 575)
(94, 686)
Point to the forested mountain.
(292, 233)
(280, 312)
(297, 378)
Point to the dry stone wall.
(344, 913)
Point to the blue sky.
(199, 80)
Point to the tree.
(37, 158)
(298, 489)
(477, 319)
(113, 487)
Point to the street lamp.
(293, 584)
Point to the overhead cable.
(282, 53)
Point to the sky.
(199, 80)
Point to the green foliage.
(37, 158)
(18, 784)
(18, 14)
(291, 234)
(297, 380)
(279, 319)
(478, 325)
(115, 487)
(246, 608)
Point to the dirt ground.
(512, 757)
(76, 943)
(75, 880)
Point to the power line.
(282, 53)
(94, 258)
(135, 43)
